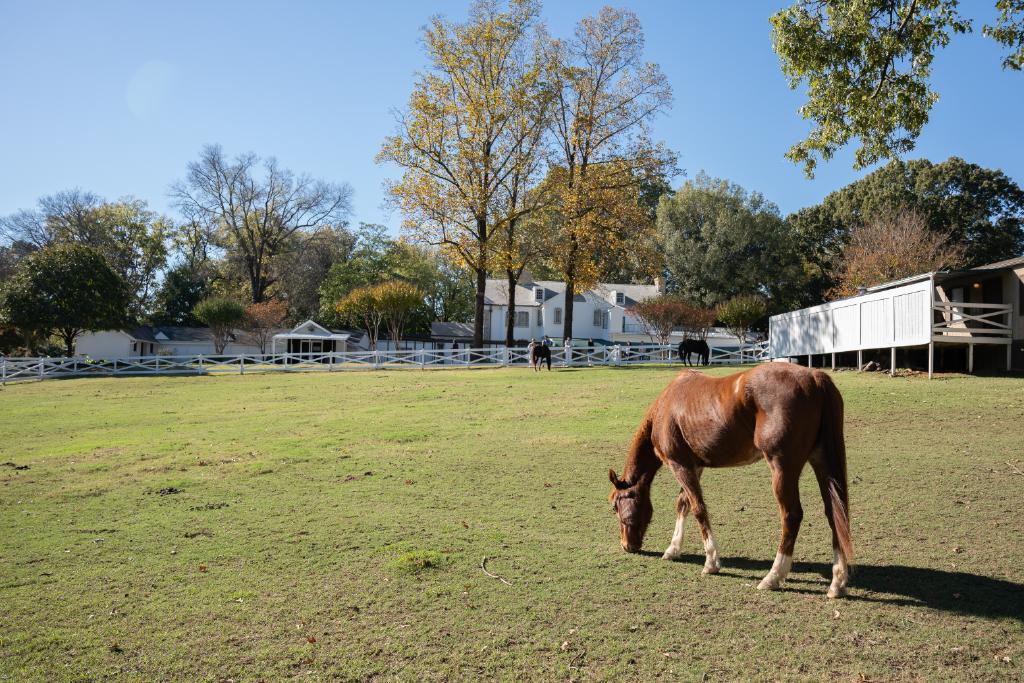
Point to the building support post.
(810, 361)
(833, 361)
(931, 359)
(860, 360)
(970, 359)
(1009, 356)
(892, 362)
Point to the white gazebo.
(309, 337)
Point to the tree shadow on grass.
(894, 584)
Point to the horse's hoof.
(711, 569)
(768, 584)
(840, 592)
(671, 555)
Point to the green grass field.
(332, 526)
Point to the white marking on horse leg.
(777, 574)
(712, 564)
(840, 574)
(675, 548)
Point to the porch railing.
(19, 369)
(967, 320)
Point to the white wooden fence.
(19, 369)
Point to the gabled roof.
(449, 330)
(999, 265)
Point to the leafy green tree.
(63, 289)
(368, 263)
(360, 307)
(180, 292)
(302, 270)
(741, 313)
(221, 315)
(866, 67)
(397, 301)
(130, 236)
(979, 209)
(721, 241)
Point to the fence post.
(40, 369)
(201, 364)
(3, 372)
(241, 366)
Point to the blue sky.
(117, 97)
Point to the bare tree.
(256, 217)
(890, 246)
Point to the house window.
(620, 298)
(605, 320)
(558, 316)
(598, 317)
(522, 318)
(538, 294)
(540, 317)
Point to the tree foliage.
(979, 209)
(255, 217)
(1009, 32)
(63, 289)
(397, 301)
(360, 308)
(740, 313)
(222, 316)
(892, 246)
(660, 315)
(181, 290)
(130, 237)
(866, 67)
(261, 319)
(462, 137)
(605, 96)
(721, 241)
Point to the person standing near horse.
(786, 414)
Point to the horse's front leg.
(675, 547)
(689, 480)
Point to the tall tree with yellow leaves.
(604, 97)
(461, 139)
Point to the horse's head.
(634, 510)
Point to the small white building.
(600, 314)
(947, 318)
(307, 337)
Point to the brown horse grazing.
(787, 414)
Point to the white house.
(955, 320)
(307, 337)
(600, 314)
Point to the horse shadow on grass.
(893, 584)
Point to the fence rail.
(21, 369)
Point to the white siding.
(104, 345)
(893, 317)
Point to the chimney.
(526, 277)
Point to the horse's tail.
(833, 449)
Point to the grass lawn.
(332, 526)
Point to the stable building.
(949, 321)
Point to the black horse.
(538, 354)
(697, 346)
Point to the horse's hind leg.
(785, 484)
(840, 568)
(689, 479)
(675, 548)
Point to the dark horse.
(787, 414)
(538, 354)
(697, 346)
